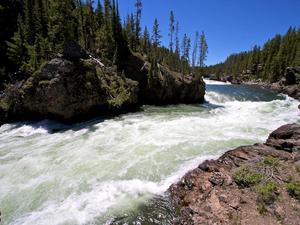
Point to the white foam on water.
(216, 82)
(84, 172)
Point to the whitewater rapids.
(95, 172)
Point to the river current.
(117, 171)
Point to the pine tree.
(146, 43)
(296, 61)
(105, 35)
(99, 15)
(172, 29)
(156, 35)
(120, 43)
(62, 24)
(270, 52)
(138, 13)
(186, 46)
(41, 18)
(203, 50)
(287, 51)
(29, 26)
(177, 47)
(195, 50)
(17, 51)
(130, 30)
(254, 59)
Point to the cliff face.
(258, 184)
(69, 90)
(164, 87)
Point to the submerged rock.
(218, 198)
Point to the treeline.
(46, 28)
(267, 63)
(34, 31)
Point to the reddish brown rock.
(215, 197)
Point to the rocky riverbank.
(257, 184)
(76, 86)
(292, 90)
(289, 84)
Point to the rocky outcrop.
(165, 87)
(257, 184)
(68, 90)
(76, 86)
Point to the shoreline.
(292, 91)
(210, 194)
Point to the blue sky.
(230, 25)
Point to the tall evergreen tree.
(41, 18)
(186, 46)
(29, 26)
(177, 42)
(130, 30)
(195, 50)
(138, 13)
(146, 42)
(171, 32)
(17, 51)
(203, 47)
(99, 14)
(156, 35)
(62, 24)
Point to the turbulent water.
(116, 171)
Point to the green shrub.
(271, 161)
(294, 189)
(261, 207)
(267, 192)
(246, 177)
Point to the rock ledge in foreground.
(257, 184)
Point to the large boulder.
(286, 137)
(69, 90)
(165, 86)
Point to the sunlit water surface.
(116, 171)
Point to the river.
(116, 171)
